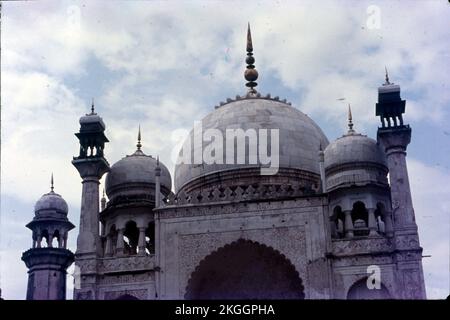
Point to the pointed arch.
(245, 269)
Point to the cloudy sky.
(164, 65)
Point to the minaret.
(91, 166)
(48, 262)
(394, 137)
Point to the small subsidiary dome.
(134, 176)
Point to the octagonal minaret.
(394, 136)
(48, 261)
(91, 166)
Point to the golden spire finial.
(51, 183)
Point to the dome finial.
(250, 74)
(139, 145)
(386, 76)
(92, 107)
(350, 120)
(51, 183)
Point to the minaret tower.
(394, 137)
(91, 165)
(48, 261)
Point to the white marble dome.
(299, 137)
(354, 159)
(353, 148)
(135, 175)
(51, 203)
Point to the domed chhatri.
(92, 117)
(356, 157)
(48, 258)
(299, 137)
(50, 204)
(134, 175)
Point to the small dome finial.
(139, 145)
(51, 183)
(386, 76)
(92, 107)
(250, 74)
(350, 120)
(157, 160)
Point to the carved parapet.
(126, 264)
(240, 193)
(86, 266)
(344, 247)
(407, 242)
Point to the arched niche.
(245, 270)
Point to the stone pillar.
(60, 241)
(348, 224)
(103, 203)
(142, 241)
(120, 243)
(372, 222)
(333, 228)
(108, 246)
(39, 241)
(388, 224)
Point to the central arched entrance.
(245, 270)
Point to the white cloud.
(430, 190)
